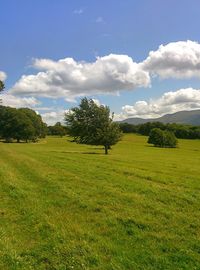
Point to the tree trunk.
(106, 149)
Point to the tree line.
(21, 125)
(57, 130)
(181, 131)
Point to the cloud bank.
(17, 102)
(112, 74)
(67, 78)
(70, 79)
(53, 117)
(170, 102)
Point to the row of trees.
(87, 124)
(180, 130)
(21, 124)
(57, 130)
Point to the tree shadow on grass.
(146, 145)
(92, 153)
(95, 148)
(79, 152)
(14, 142)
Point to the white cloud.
(3, 76)
(17, 102)
(170, 102)
(53, 117)
(97, 102)
(175, 60)
(78, 11)
(70, 79)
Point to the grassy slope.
(62, 207)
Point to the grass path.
(67, 206)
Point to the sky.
(141, 58)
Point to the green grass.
(68, 206)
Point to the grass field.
(68, 206)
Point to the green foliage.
(20, 124)
(2, 86)
(57, 130)
(162, 138)
(128, 128)
(40, 128)
(181, 131)
(92, 124)
(62, 208)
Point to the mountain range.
(182, 117)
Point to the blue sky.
(84, 30)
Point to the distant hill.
(183, 117)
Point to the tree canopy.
(2, 86)
(20, 124)
(162, 138)
(57, 130)
(92, 124)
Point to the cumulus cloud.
(3, 76)
(53, 117)
(97, 102)
(17, 102)
(175, 60)
(70, 79)
(170, 102)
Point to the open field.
(68, 206)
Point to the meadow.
(68, 206)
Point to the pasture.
(67, 206)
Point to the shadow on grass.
(14, 142)
(79, 152)
(92, 153)
(160, 147)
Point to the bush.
(161, 138)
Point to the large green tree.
(162, 138)
(40, 128)
(14, 124)
(92, 124)
(20, 124)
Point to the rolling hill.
(182, 117)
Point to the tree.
(91, 124)
(57, 129)
(20, 124)
(2, 86)
(162, 138)
(16, 125)
(40, 129)
(170, 139)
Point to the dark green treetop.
(162, 138)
